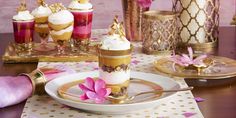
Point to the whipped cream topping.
(115, 42)
(75, 5)
(61, 17)
(23, 16)
(68, 29)
(41, 11)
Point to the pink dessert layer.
(82, 25)
(23, 31)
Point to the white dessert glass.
(114, 64)
(61, 28)
(41, 14)
(23, 25)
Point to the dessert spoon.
(120, 100)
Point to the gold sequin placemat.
(181, 105)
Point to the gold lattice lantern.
(199, 22)
(159, 32)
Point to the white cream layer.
(68, 29)
(23, 15)
(61, 17)
(115, 42)
(117, 77)
(41, 11)
(76, 5)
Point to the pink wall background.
(104, 11)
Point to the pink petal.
(91, 95)
(200, 58)
(99, 84)
(190, 52)
(185, 58)
(89, 82)
(101, 92)
(188, 114)
(108, 92)
(83, 97)
(135, 62)
(84, 88)
(100, 100)
(198, 99)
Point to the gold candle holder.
(199, 23)
(160, 31)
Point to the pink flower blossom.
(188, 114)
(144, 3)
(198, 99)
(94, 90)
(187, 60)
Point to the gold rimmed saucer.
(144, 82)
(71, 91)
(220, 67)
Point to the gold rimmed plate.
(220, 68)
(141, 82)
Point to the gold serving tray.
(11, 55)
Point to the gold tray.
(13, 56)
(222, 68)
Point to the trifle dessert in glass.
(60, 23)
(114, 60)
(41, 14)
(83, 14)
(23, 26)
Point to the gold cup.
(160, 32)
(114, 65)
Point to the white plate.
(165, 82)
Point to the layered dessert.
(83, 13)
(114, 60)
(61, 26)
(41, 14)
(23, 25)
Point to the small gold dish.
(215, 67)
(199, 68)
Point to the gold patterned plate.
(221, 68)
(142, 82)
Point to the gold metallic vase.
(160, 32)
(132, 18)
(199, 23)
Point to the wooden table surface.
(219, 95)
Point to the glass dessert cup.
(114, 69)
(23, 34)
(43, 32)
(82, 28)
(61, 41)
